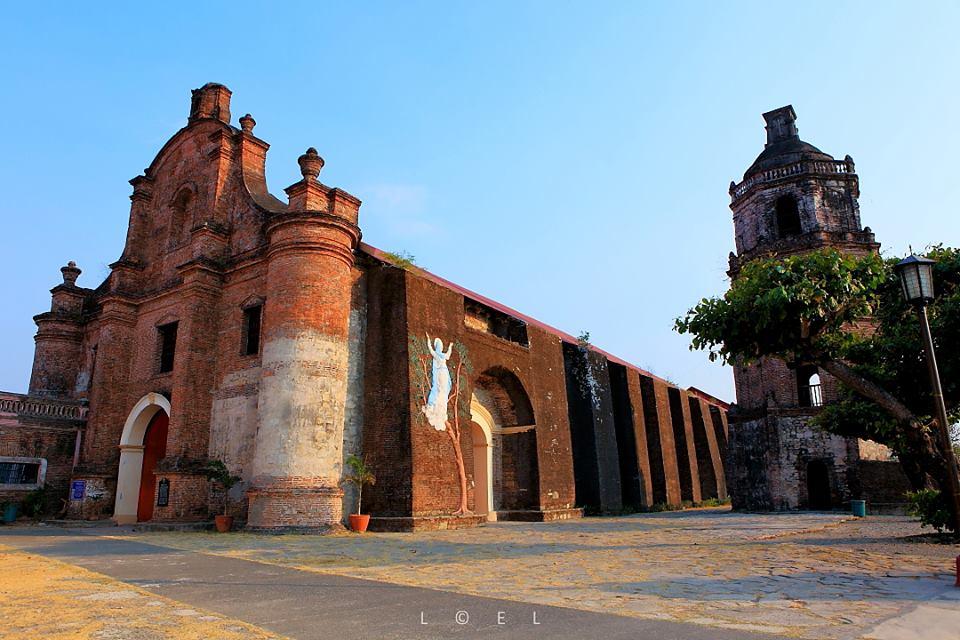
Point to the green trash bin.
(859, 508)
(10, 512)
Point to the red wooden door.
(154, 448)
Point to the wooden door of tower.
(154, 448)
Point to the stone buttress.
(303, 387)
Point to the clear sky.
(568, 159)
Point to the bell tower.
(793, 199)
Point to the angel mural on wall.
(438, 391)
(436, 407)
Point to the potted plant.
(218, 473)
(358, 476)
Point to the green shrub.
(715, 502)
(35, 503)
(932, 509)
(402, 259)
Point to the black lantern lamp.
(916, 279)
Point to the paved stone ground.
(44, 598)
(303, 605)
(803, 575)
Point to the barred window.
(809, 388)
(19, 472)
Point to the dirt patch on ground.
(44, 598)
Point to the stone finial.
(70, 273)
(310, 164)
(247, 123)
(848, 159)
(781, 124)
(733, 187)
(212, 100)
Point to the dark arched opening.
(818, 486)
(515, 471)
(181, 218)
(788, 216)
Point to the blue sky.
(568, 159)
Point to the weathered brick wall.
(593, 429)
(50, 443)
(883, 484)
(637, 419)
(634, 475)
(539, 368)
(768, 460)
(689, 475)
(386, 433)
(771, 382)
(709, 463)
(825, 203)
(189, 499)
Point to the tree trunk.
(923, 462)
(887, 401)
(461, 472)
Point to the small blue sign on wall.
(78, 489)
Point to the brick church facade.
(262, 332)
(793, 199)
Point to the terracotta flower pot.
(359, 522)
(223, 523)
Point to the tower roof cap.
(784, 145)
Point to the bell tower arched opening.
(788, 216)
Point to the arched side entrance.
(151, 413)
(482, 427)
(506, 474)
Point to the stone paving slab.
(803, 575)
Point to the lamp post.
(916, 279)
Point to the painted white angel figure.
(436, 408)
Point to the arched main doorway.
(154, 448)
(506, 474)
(142, 445)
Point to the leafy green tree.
(846, 315)
(218, 473)
(360, 474)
